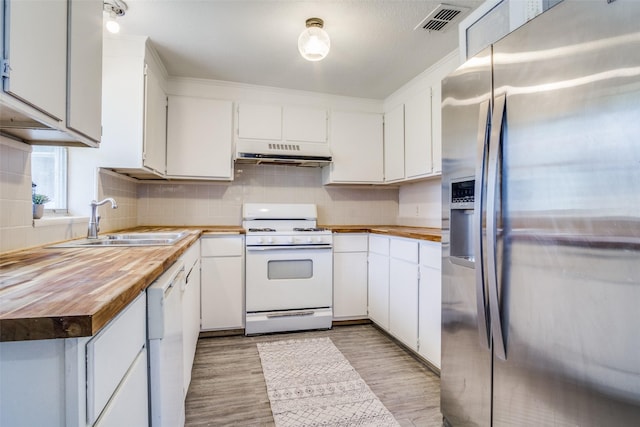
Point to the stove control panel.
(289, 239)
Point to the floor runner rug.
(310, 383)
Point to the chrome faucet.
(94, 221)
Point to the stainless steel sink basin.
(129, 239)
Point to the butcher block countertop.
(50, 293)
(420, 233)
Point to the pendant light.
(314, 42)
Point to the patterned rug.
(310, 383)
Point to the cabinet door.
(356, 147)
(436, 130)
(305, 124)
(379, 289)
(222, 295)
(199, 137)
(403, 301)
(84, 103)
(350, 285)
(260, 121)
(394, 144)
(130, 404)
(430, 302)
(418, 159)
(155, 124)
(191, 320)
(36, 48)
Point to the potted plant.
(38, 204)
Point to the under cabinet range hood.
(310, 154)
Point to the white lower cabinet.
(111, 354)
(378, 298)
(430, 297)
(222, 281)
(100, 380)
(126, 407)
(350, 276)
(190, 309)
(403, 291)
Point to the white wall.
(419, 204)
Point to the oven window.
(290, 269)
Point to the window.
(49, 173)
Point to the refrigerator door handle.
(481, 162)
(492, 206)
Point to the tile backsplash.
(208, 203)
(204, 202)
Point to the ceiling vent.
(440, 17)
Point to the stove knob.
(259, 239)
(270, 240)
(309, 239)
(319, 239)
(290, 239)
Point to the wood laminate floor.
(228, 388)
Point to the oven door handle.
(287, 247)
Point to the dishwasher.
(165, 335)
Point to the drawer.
(350, 242)
(221, 246)
(378, 244)
(430, 255)
(111, 352)
(405, 249)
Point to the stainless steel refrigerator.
(541, 224)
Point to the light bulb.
(113, 26)
(314, 42)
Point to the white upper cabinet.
(260, 121)
(417, 133)
(199, 138)
(394, 144)
(436, 128)
(51, 70)
(305, 124)
(282, 123)
(37, 54)
(421, 157)
(155, 124)
(133, 111)
(356, 143)
(84, 105)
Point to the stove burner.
(309, 229)
(261, 230)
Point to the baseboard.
(411, 352)
(221, 333)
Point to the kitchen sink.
(128, 239)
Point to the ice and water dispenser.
(461, 222)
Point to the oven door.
(288, 277)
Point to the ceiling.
(374, 47)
